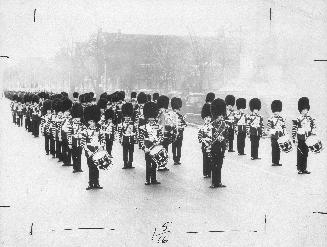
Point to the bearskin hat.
(57, 105)
(141, 98)
(241, 103)
(150, 110)
(303, 103)
(27, 98)
(64, 94)
(206, 111)
(75, 95)
(210, 97)
(109, 98)
(176, 103)
(230, 100)
(155, 96)
(109, 114)
(127, 110)
(163, 102)
(255, 104)
(66, 104)
(91, 95)
(36, 98)
(77, 111)
(218, 108)
(47, 105)
(102, 103)
(276, 106)
(121, 95)
(133, 95)
(148, 97)
(92, 113)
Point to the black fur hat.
(230, 100)
(218, 108)
(148, 97)
(155, 96)
(141, 98)
(57, 105)
(36, 98)
(77, 111)
(255, 104)
(121, 95)
(133, 95)
(109, 114)
(127, 110)
(210, 97)
(66, 104)
(47, 105)
(206, 111)
(27, 98)
(64, 94)
(91, 95)
(176, 103)
(75, 95)
(103, 95)
(92, 113)
(163, 102)
(241, 103)
(102, 103)
(303, 103)
(150, 110)
(276, 106)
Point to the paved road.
(40, 191)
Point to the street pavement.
(261, 205)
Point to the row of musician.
(71, 126)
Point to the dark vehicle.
(193, 106)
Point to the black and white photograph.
(182, 123)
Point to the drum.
(314, 144)
(159, 155)
(102, 159)
(285, 144)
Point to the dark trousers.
(217, 159)
(109, 144)
(27, 121)
(231, 139)
(59, 150)
(76, 156)
(254, 145)
(241, 142)
(14, 118)
(275, 151)
(20, 120)
(66, 152)
(35, 128)
(128, 150)
(206, 162)
(93, 173)
(150, 171)
(302, 155)
(47, 143)
(52, 146)
(176, 149)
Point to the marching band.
(71, 127)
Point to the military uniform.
(230, 121)
(240, 125)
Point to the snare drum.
(159, 155)
(102, 159)
(314, 144)
(285, 144)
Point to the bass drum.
(159, 155)
(285, 144)
(314, 144)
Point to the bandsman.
(240, 125)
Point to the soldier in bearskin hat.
(76, 98)
(109, 128)
(133, 96)
(59, 121)
(155, 97)
(255, 127)
(240, 124)
(219, 140)
(230, 120)
(150, 135)
(127, 133)
(276, 128)
(204, 137)
(66, 132)
(176, 105)
(56, 105)
(45, 124)
(92, 140)
(26, 111)
(303, 127)
(139, 117)
(210, 97)
(36, 115)
(77, 129)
